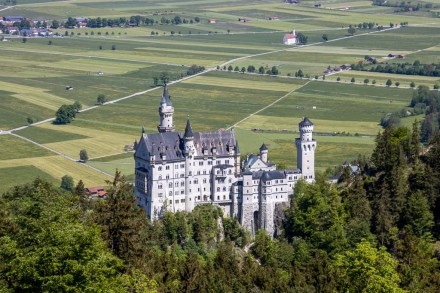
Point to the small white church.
(290, 39)
(177, 171)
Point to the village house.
(243, 19)
(212, 20)
(97, 191)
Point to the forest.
(376, 230)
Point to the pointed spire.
(143, 129)
(166, 98)
(188, 130)
(263, 147)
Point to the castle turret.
(166, 111)
(263, 152)
(306, 147)
(189, 152)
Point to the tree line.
(135, 20)
(415, 68)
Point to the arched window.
(218, 188)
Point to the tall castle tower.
(306, 147)
(166, 111)
(189, 151)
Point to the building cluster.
(19, 25)
(177, 171)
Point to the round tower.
(190, 151)
(166, 111)
(306, 147)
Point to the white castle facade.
(178, 171)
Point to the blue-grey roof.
(306, 122)
(166, 98)
(171, 144)
(263, 147)
(188, 130)
(269, 175)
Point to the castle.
(176, 172)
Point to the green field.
(34, 76)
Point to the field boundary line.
(60, 154)
(266, 107)
(91, 56)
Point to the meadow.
(35, 73)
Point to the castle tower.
(263, 152)
(166, 111)
(306, 147)
(189, 152)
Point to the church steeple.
(166, 112)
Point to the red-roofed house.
(290, 39)
(96, 191)
(212, 20)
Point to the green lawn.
(15, 148)
(20, 175)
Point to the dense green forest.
(377, 230)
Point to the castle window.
(182, 165)
(159, 168)
(209, 162)
(176, 184)
(167, 177)
(182, 183)
(218, 162)
(196, 181)
(204, 180)
(160, 177)
(176, 166)
(198, 197)
(171, 201)
(190, 173)
(201, 163)
(218, 197)
(182, 192)
(227, 162)
(160, 186)
(224, 188)
(218, 188)
(224, 197)
(170, 185)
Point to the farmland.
(119, 62)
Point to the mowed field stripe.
(34, 95)
(240, 83)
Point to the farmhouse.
(212, 20)
(243, 19)
(290, 39)
(177, 171)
